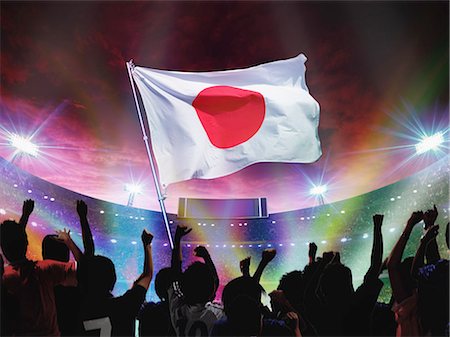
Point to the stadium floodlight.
(318, 190)
(429, 143)
(133, 188)
(24, 145)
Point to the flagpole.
(150, 158)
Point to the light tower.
(133, 189)
(318, 191)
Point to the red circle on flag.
(230, 116)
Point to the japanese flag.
(211, 124)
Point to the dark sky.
(378, 69)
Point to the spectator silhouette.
(9, 307)
(66, 298)
(88, 243)
(332, 304)
(404, 288)
(99, 310)
(31, 283)
(54, 249)
(154, 318)
(191, 311)
(292, 286)
(321, 300)
(433, 293)
(432, 281)
(241, 298)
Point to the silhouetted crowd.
(57, 296)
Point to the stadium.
(226, 132)
(345, 226)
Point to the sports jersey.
(112, 316)
(31, 285)
(270, 327)
(154, 320)
(67, 301)
(192, 320)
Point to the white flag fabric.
(211, 124)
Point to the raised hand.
(312, 250)
(63, 235)
(292, 322)
(201, 251)
(146, 237)
(415, 218)
(378, 220)
(182, 231)
(430, 234)
(147, 272)
(268, 255)
(429, 217)
(27, 208)
(244, 265)
(82, 209)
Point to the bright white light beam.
(133, 188)
(24, 145)
(429, 143)
(318, 190)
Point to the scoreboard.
(251, 208)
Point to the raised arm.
(447, 235)
(399, 290)
(176, 252)
(293, 322)
(431, 250)
(244, 265)
(428, 237)
(2, 268)
(27, 209)
(88, 241)
(64, 236)
(147, 273)
(312, 253)
(311, 299)
(267, 256)
(376, 258)
(202, 252)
